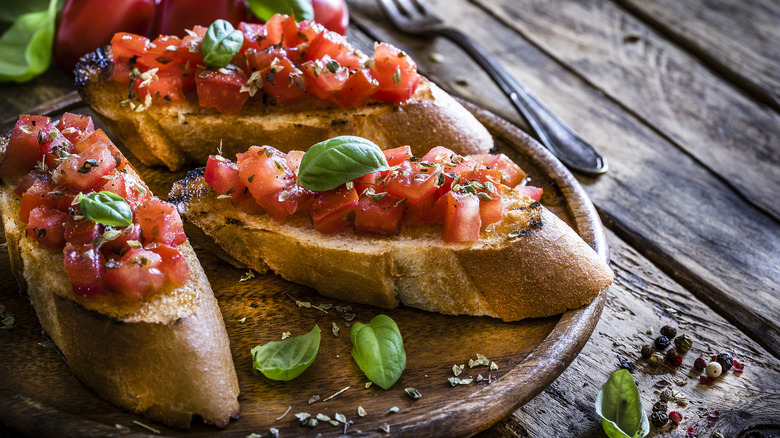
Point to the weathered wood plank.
(744, 48)
(661, 84)
(682, 215)
(643, 297)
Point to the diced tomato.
(221, 89)
(173, 264)
(281, 79)
(532, 192)
(450, 161)
(86, 170)
(126, 45)
(367, 181)
(43, 192)
(461, 218)
(117, 247)
(130, 187)
(334, 46)
(272, 32)
(75, 127)
(294, 160)
(136, 274)
(398, 155)
(324, 76)
(415, 187)
(358, 89)
(23, 150)
(167, 87)
(253, 32)
(308, 31)
(46, 226)
(222, 175)
(379, 215)
(93, 138)
(511, 173)
(84, 266)
(81, 231)
(263, 170)
(160, 222)
(435, 214)
(396, 73)
(331, 210)
(286, 202)
(28, 180)
(54, 147)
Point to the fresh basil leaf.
(25, 48)
(288, 358)
(265, 9)
(620, 407)
(330, 163)
(13, 9)
(221, 43)
(378, 350)
(106, 208)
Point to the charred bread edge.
(56, 312)
(430, 118)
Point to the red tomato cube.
(136, 274)
(46, 226)
(84, 266)
(23, 150)
(263, 170)
(379, 215)
(332, 210)
(160, 222)
(462, 221)
(221, 89)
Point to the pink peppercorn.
(675, 417)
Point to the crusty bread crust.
(175, 134)
(167, 358)
(544, 269)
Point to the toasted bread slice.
(529, 264)
(166, 357)
(175, 134)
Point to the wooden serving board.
(39, 395)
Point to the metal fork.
(415, 17)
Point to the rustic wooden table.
(683, 99)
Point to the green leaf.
(221, 43)
(378, 350)
(13, 9)
(25, 48)
(330, 163)
(265, 9)
(620, 407)
(106, 208)
(288, 358)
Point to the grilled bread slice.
(166, 357)
(529, 264)
(177, 133)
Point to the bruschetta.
(444, 232)
(292, 84)
(113, 279)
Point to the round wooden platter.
(39, 395)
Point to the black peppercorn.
(725, 360)
(683, 343)
(647, 351)
(659, 406)
(669, 331)
(659, 418)
(661, 342)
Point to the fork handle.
(555, 135)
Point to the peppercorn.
(669, 331)
(626, 364)
(661, 342)
(659, 418)
(647, 351)
(683, 343)
(656, 359)
(673, 358)
(714, 369)
(675, 417)
(725, 360)
(700, 363)
(659, 406)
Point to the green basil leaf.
(13, 9)
(221, 43)
(330, 163)
(620, 407)
(288, 358)
(265, 9)
(106, 208)
(378, 350)
(25, 48)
